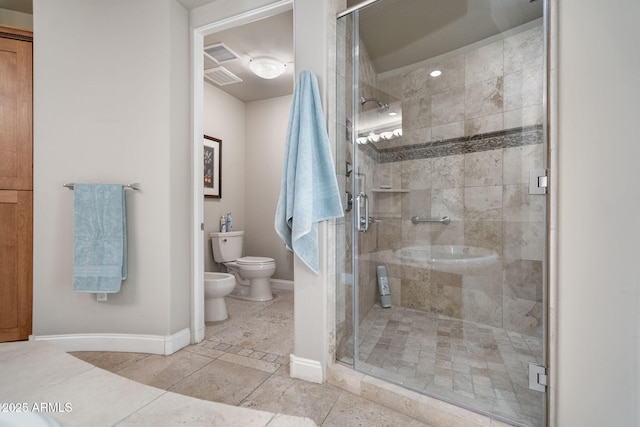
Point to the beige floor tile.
(249, 362)
(279, 341)
(257, 325)
(26, 373)
(293, 397)
(221, 381)
(351, 410)
(110, 361)
(96, 398)
(263, 334)
(11, 350)
(165, 371)
(281, 420)
(174, 409)
(204, 351)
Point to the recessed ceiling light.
(435, 73)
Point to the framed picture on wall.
(212, 167)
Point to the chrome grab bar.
(444, 220)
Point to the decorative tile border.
(514, 137)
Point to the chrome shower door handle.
(363, 221)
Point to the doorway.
(199, 238)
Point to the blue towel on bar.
(100, 238)
(309, 190)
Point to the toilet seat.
(255, 261)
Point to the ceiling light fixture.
(435, 73)
(267, 67)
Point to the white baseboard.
(306, 369)
(153, 344)
(283, 285)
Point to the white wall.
(253, 138)
(266, 135)
(314, 304)
(598, 229)
(111, 90)
(224, 117)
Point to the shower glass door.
(441, 155)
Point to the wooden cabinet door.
(16, 146)
(16, 184)
(16, 248)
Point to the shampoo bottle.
(223, 224)
(229, 221)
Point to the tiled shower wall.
(470, 138)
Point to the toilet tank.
(226, 246)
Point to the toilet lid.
(253, 260)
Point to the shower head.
(382, 107)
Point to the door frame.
(197, 130)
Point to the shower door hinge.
(537, 377)
(538, 181)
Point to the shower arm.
(381, 105)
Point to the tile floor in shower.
(244, 361)
(476, 365)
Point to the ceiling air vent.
(221, 76)
(220, 53)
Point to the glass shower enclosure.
(441, 156)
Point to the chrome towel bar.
(134, 186)
(444, 220)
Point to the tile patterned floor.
(40, 384)
(244, 361)
(480, 366)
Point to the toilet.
(216, 287)
(252, 273)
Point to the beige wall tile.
(448, 202)
(483, 168)
(523, 316)
(523, 88)
(528, 116)
(416, 174)
(484, 98)
(416, 113)
(523, 279)
(448, 107)
(519, 205)
(524, 240)
(452, 77)
(482, 307)
(518, 161)
(523, 50)
(484, 234)
(484, 63)
(447, 131)
(484, 124)
(448, 171)
(483, 203)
